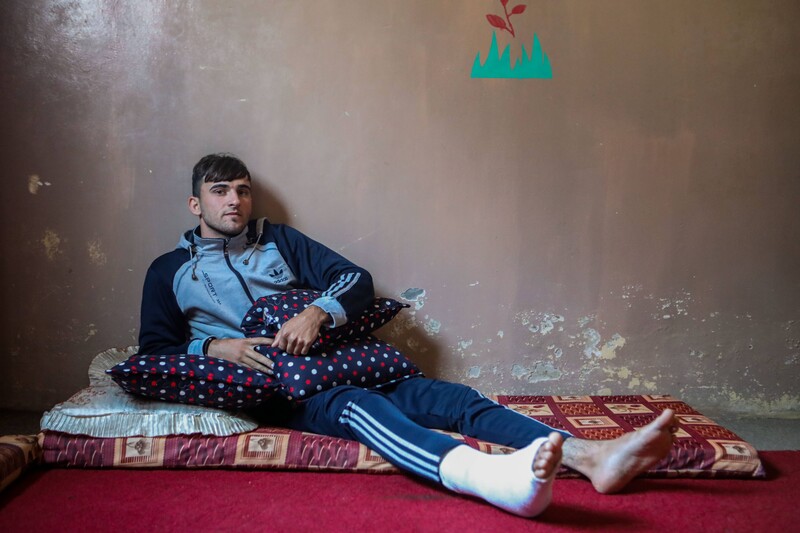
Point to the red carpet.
(215, 500)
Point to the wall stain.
(51, 242)
(92, 332)
(34, 183)
(414, 345)
(96, 254)
(432, 326)
(463, 346)
(669, 308)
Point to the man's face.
(224, 208)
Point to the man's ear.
(194, 205)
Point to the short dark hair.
(214, 168)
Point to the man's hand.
(242, 351)
(298, 334)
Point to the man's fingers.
(299, 347)
(255, 365)
(291, 346)
(288, 343)
(278, 340)
(260, 362)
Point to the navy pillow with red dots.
(346, 355)
(368, 363)
(195, 380)
(268, 314)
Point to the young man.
(193, 301)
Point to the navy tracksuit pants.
(397, 421)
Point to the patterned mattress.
(703, 448)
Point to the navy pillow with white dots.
(368, 362)
(195, 380)
(266, 316)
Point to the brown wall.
(630, 226)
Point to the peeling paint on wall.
(593, 339)
(474, 372)
(785, 405)
(699, 354)
(541, 323)
(432, 326)
(610, 348)
(794, 346)
(464, 347)
(635, 381)
(541, 371)
(607, 351)
(636, 384)
(680, 357)
(404, 326)
(631, 291)
(669, 308)
(415, 295)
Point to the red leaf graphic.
(518, 9)
(504, 2)
(496, 21)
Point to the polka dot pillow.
(194, 379)
(269, 313)
(367, 362)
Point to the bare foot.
(548, 458)
(612, 464)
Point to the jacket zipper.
(236, 272)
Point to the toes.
(548, 456)
(543, 459)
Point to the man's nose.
(233, 198)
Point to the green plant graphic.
(497, 65)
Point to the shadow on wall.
(404, 332)
(266, 204)
(406, 335)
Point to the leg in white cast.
(520, 483)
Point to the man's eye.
(244, 192)
(219, 192)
